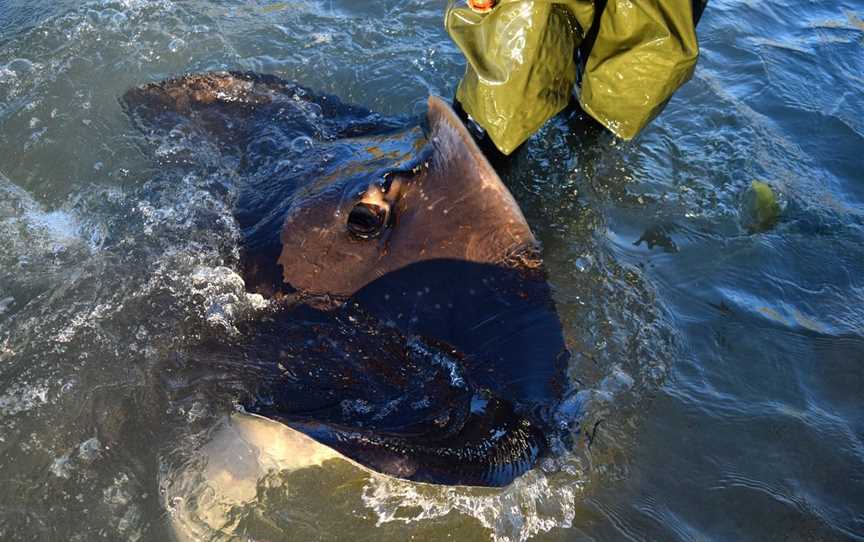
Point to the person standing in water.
(525, 57)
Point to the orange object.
(482, 6)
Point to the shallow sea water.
(721, 368)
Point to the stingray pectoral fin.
(197, 91)
(235, 107)
(247, 446)
(220, 103)
(494, 447)
(493, 226)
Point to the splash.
(225, 299)
(533, 504)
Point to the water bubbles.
(21, 67)
(22, 397)
(301, 144)
(257, 301)
(116, 18)
(75, 324)
(314, 110)
(529, 506)
(68, 386)
(584, 263)
(320, 38)
(176, 45)
(196, 412)
(60, 467)
(224, 297)
(221, 315)
(89, 449)
(35, 138)
(283, 164)
(266, 145)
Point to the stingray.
(415, 331)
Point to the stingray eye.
(368, 220)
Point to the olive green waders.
(522, 61)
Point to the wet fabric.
(522, 67)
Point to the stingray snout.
(371, 215)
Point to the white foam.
(33, 230)
(21, 398)
(60, 467)
(529, 506)
(89, 449)
(225, 296)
